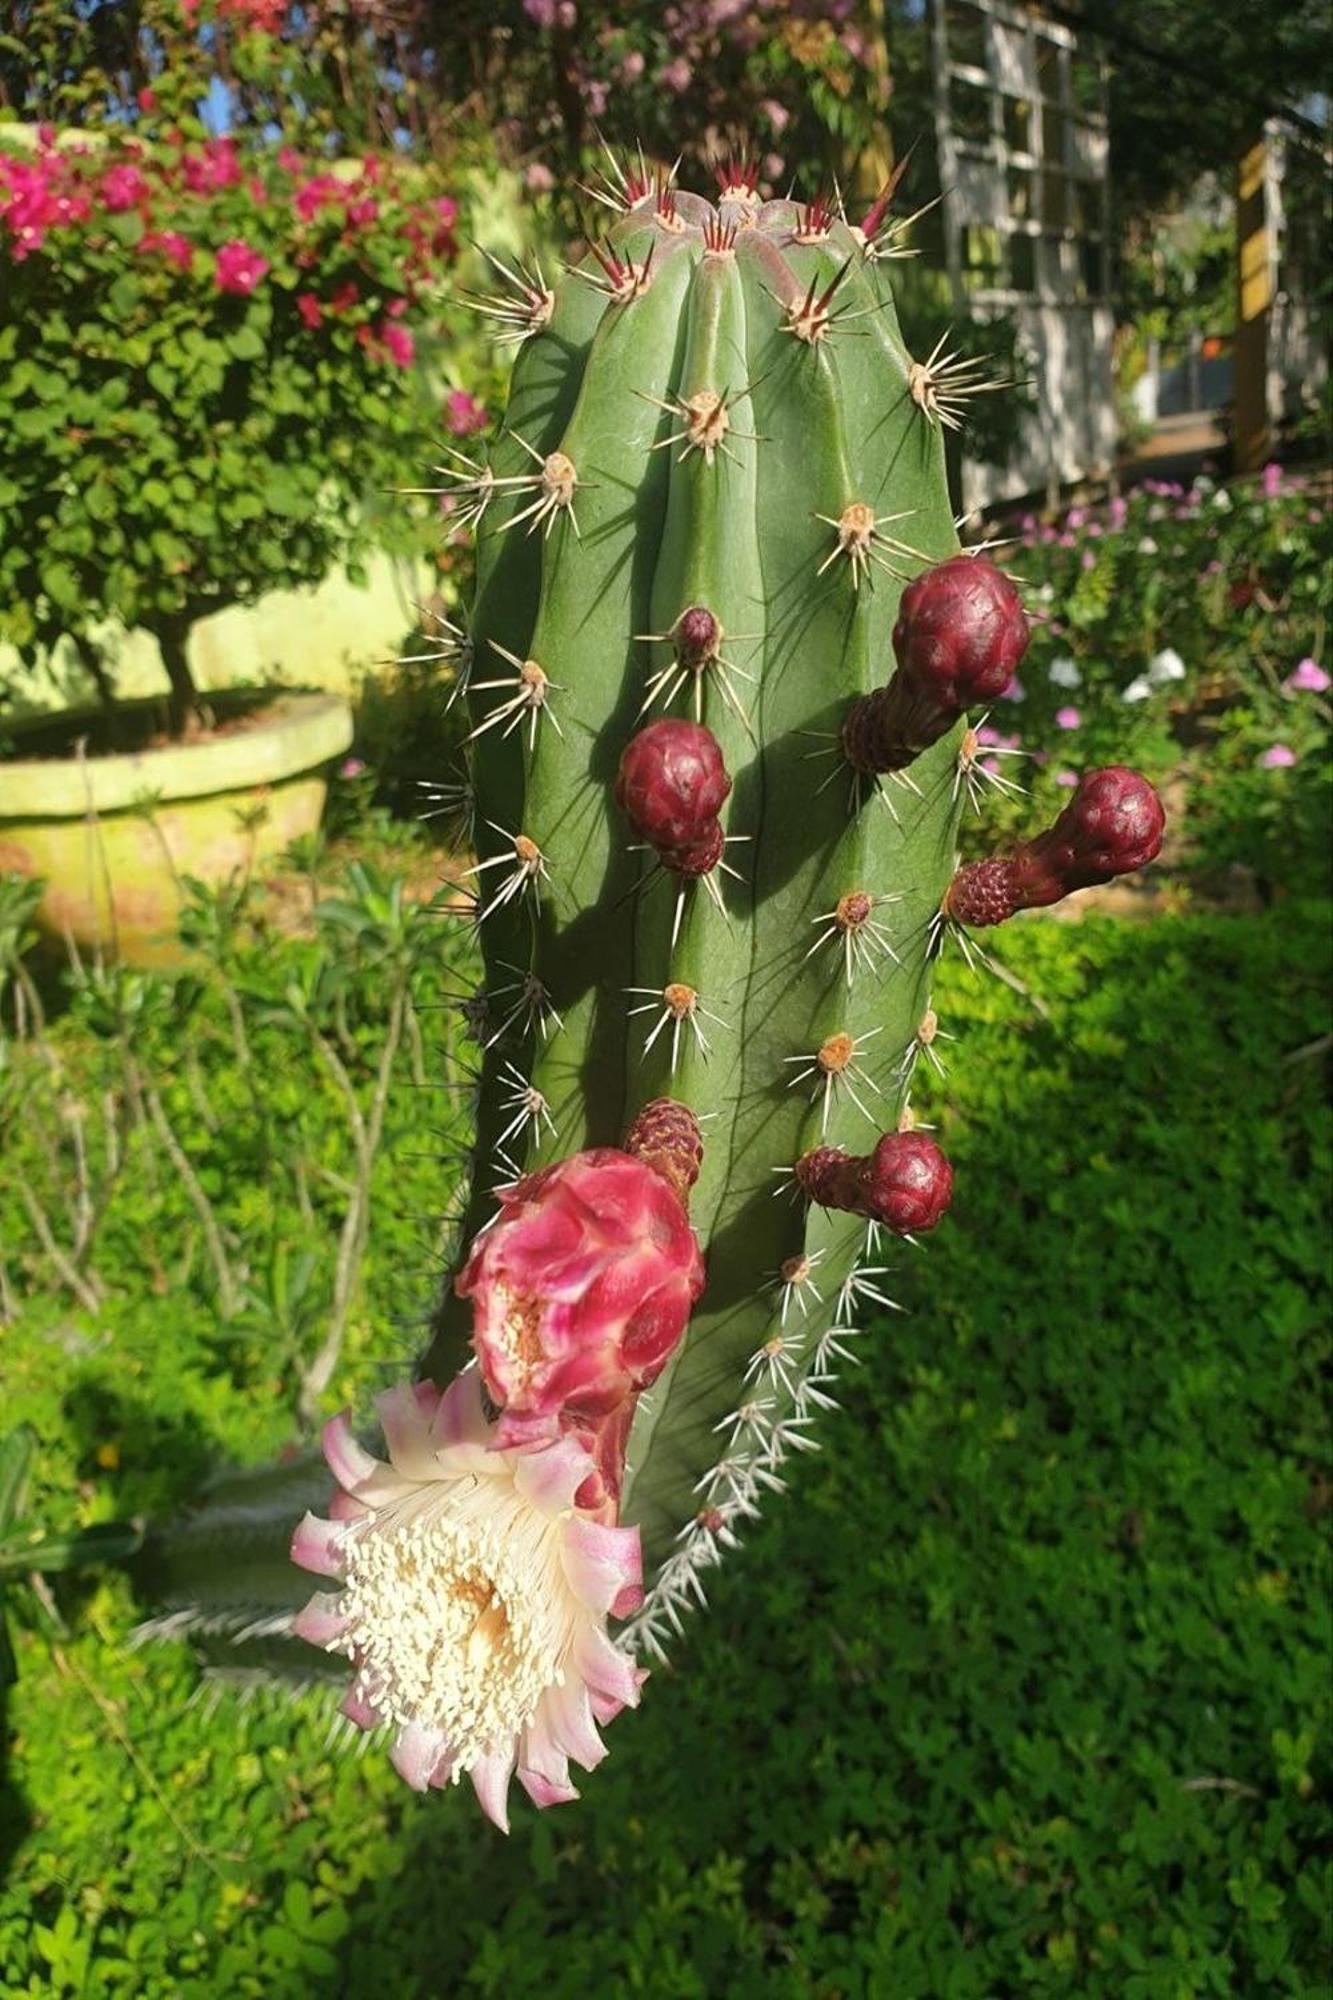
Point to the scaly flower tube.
(474, 1598)
(581, 1289)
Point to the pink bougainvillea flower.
(580, 1290)
(121, 188)
(239, 268)
(398, 344)
(474, 1598)
(310, 309)
(214, 168)
(1067, 718)
(1279, 757)
(463, 414)
(1307, 677)
(168, 243)
(345, 297)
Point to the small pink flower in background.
(446, 210)
(1066, 778)
(146, 100)
(463, 414)
(1093, 530)
(345, 297)
(1068, 718)
(167, 243)
(773, 166)
(1075, 518)
(596, 96)
(1068, 541)
(290, 160)
(676, 76)
(1117, 511)
(213, 169)
(538, 178)
(580, 1291)
(1279, 758)
(398, 343)
(1088, 559)
(310, 309)
(351, 767)
(777, 115)
(320, 191)
(122, 188)
(991, 766)
(1015, 690)
(474, 1598)
(1307, 677)
(239, 268)
(991, 738)
(1272, 479)
(363, 211)
(541, 11)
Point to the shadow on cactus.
(718, 675)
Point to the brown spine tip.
(665, 1135)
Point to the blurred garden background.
(1025, 1685)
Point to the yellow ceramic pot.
(113, 836)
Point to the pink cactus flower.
(1307, 677)
(474, 1598)
(239, 268)
(580, 1291)
(1280, 757)
(1067, 718)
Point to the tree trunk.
(171, 633)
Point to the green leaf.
(16, 1453)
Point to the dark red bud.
(672, 783)
(697, 636)
(960, 632)
(907, 1183)
(666, 1137)
(1112, 825)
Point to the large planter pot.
(113, 836)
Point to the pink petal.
(317, 1546)
(460, 1418)
(343, 1507)
(607, 1671)
(416, 1753)
(320, 1621)
(568, 1711)
(549, 1479)
(601, 1564)
(490, 1781)
(443, 1774)
(357, 1706)
(349, 1462)
(517, 1432)
(407, 1433)
(542, 1791)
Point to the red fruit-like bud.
(1112, 825)
(666, 1137)
(961, 632)
(672, 783)
(697, 636)
(907, 1184)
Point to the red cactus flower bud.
(672, 783)
(696, 635)
(961, 632)
(906, 1183)
(665, 1135)
(580, 1291)
(1112, 825)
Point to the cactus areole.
(746, 586)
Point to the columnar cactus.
(717, 673)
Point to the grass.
(1022, 1690)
